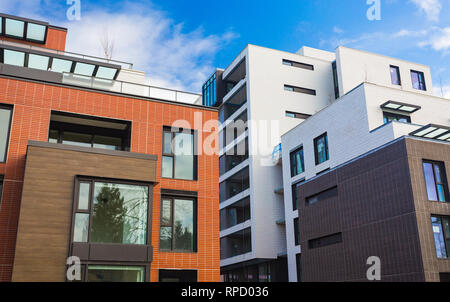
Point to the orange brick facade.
(56, 39)
(33, 103)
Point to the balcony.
(234, 185)
(235, 214)
(236, 244)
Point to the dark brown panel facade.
(45, 219)
(375, 212)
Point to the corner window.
(418, 80)
(5, 125)
(297, 162)
(110, 212)
(395, 75)
(296, 231)
(441, 233)
(178, 225)
(321, 149)
(178, 160)
(388, 117)
(436, 181)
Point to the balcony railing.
(131, 88)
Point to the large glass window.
(418, 80)
(178, 159)
(36, 32)
(38, 62)
(395, 75)
(60, 65)
(105, 273)
(321, 149)
(5, 123)
(178, 225)
(13, 57)
(436, 181)
(14, 28)
(108, 212)
(441, 232)
(297, 162)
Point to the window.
(297, 162)
(418, 80)
(1, 187)
(13, 57)
(178, 231)
(441, 232)
(388, 117)
(395, 75)
(38, 62)
(327, 194)
(299, 89)
(209, 91)
(335, 80)
(325, 241)
(178, 159)
(60, 65)
(237, 243)
(111, 212)
(436, 181)
(23, 29)
(177, 275)
(296, 231)
(295, 194)
(36, 32)
(234, 214)
(5, 126)
(301, 116)
(321, 149)
(14, 28)
(297, 64)
(298, 259)
(105, 273)
(84, 69)
(91, 132)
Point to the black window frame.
(443, 182)
(316, 153)
(171, 223)
(397, 70)
(329, 193)
(183, 275)
(324, 241)
(396, 116)
(8, 136)
(335, 80)
(297, 231)
(292, 156)
(301, 116)
(420, 74)
(291, 88)
(291, 63)
(25, 28)
(168, 129)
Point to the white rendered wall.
(356, 66)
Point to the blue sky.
(179, 43)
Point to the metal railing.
(130, 88)
(125, 65)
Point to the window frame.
(397, 69)
(419, 75)
(291, 88)
(444, 234)
(8, 135)
(167, 129)
(395, 115)
(291, 63)
(316, 153)
(296, 223)
(92, 181)
(171, 224)
(444, 181)
(25, 21)
(301, 116)
(292, 157)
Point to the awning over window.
(437, 132)
(400, 107)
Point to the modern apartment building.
(93, 165)
(354, 186)
(346, 103)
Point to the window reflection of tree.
(120, 214)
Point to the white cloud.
(439, 39)
(442, 92)
(172, 56)
(431, 8)
(338, 30)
